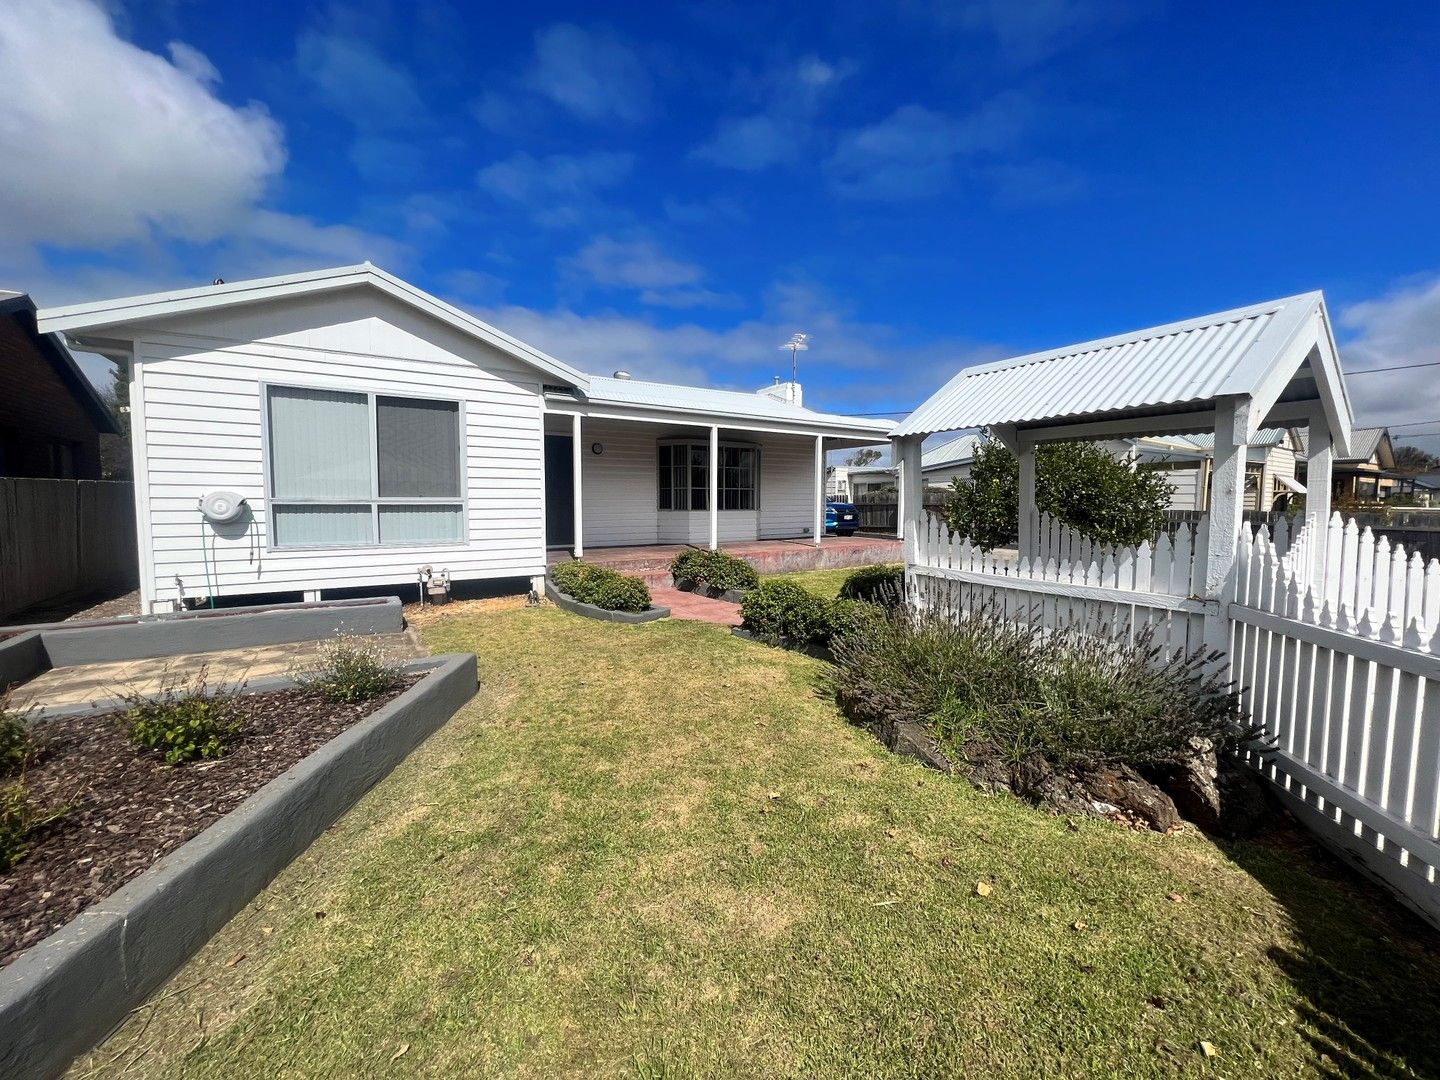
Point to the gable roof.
(951, 452)
(22, 310)
(1253, 351)
(105, 314)
(1365, 444)
(698, 399)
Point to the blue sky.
(674, 189)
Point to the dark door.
(559, 492)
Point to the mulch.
(127, 808)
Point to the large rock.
(1192, 785)
(1038, 781)
(1122, 787)
(911, 740)
(1244, 801)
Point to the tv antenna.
(796, 345)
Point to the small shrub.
(1081, 699)
(717, 569)
(875, 584)
(349, 670)
(690, 565)
(849, 617)
(20, 819)
(601, 586)
(187, 721)
(783, 612)
(568, 575)
(18, 745)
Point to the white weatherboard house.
(373, 429)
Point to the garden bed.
(127, 808)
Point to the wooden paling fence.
(1333, 640)
(1338, 657)
(1071, 580)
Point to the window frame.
(375, 501)
(703, 444)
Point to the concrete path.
(696, 608)
(85, 683)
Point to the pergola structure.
(1232, 373)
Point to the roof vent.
(622, 374)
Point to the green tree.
(1080, 484)
(1411, 459)
(115, 449)
(864, 456)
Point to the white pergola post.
(1026, 457)
(912, 495)
(1319, 475)
(819, 489)
(714, 503)
(1227, 513)
(577, 457)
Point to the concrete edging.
(819, 652)
(590, 611)
(691, 585)
(66, 993)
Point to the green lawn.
(825, 583)
(658, 851)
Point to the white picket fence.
(1073, 581)
(1339, 659)
(1334, 642)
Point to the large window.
(351, 470)
(685, 476)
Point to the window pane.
(419, 447)
(319, 444)
(420, 525)
(321, 525)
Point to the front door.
(559, 492)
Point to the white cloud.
(914, 152)
(117, 144)
(559, 189)
(632, 264)
(1030, 31)
(853, 366)
(753, 143)
(791, 94)
(354, 79)
(591, 73)
(1402, 327)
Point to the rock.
(1122, 786)
(1191, 784)
(909, 739)
(1244, 802)
(1038, 781)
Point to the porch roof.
(1274, 353)
(702, 405)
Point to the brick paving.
(696, 608)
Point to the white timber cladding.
(620, 487)
(201, 381)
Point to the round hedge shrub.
(601, 586)
(783, 612)
(849, 618)
(875, 584)
(717, 569)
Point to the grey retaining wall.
(65, 994)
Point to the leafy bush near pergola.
(1079, 483)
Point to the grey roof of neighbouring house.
(951, 452)
(1251, 351)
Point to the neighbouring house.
(371, 429)
(1367, 472)
(1187, 460)
(941, 464)
(51, 418)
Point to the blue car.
(841, 518)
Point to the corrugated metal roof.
(1265, 437)
(699, 399)
(950, 452)
(1364, 444)
(1193, 361)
